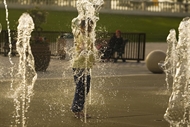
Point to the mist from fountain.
(25, 78)
(177, 65)
(169, 65)
(0, 27)
(9, 33)
(88, 10)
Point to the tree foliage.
(39, 17)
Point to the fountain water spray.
(169, 65)
(9, 33)
(177, 64)
(0, 27)
(26, 76)
(88, 10)
(9, 41)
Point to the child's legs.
(79, 97)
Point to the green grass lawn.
(156, 28)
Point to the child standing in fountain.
(83, 60)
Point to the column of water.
(177, 113)
(169, 65)
(26, 76)
(87, 10)
(9, 33)
(0, 27)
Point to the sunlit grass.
(156, 28)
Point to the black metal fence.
(4, 43)
(134, 48)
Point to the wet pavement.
(122, 94)
(124, 101)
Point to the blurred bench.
(134, 48)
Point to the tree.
(39, 17)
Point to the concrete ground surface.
(124, 101)
(122, 95)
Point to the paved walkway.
(123, 95)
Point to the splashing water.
(9, 41)
(0, 27)
(169, 65)
(9, 33)
(177, 65)
(26, 76)
(88, 11)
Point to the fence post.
(186, 7)
(143, 6)
(107, 4)
(138, 57)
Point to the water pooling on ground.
(176, 66)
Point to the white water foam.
(177, 65)
(26, 76)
